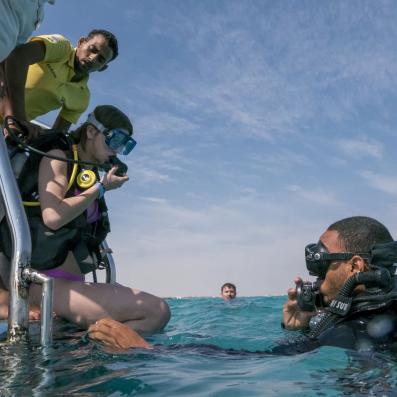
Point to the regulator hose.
(380, 277)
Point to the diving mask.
(117, 139)
(318, 259)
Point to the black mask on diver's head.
(318, 258)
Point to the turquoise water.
(210, 348)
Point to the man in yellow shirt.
(47, 73)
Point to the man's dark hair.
(359, 233)
(229, 285)
(110, 37)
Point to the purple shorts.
(62, 274)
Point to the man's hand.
(28, 129)
(111, 181)
(293, 316)
(34, 313)
(115, 334)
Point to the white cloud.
(279, 160)
(158, 163)
(384, 183)
(269, 76)
(147, 175)
(317, 196)
(256, 244)
(360, 147)
(160, 124)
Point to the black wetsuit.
(363, 331)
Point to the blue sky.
(259, 123)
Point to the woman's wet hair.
(110, 117)
(360, 233)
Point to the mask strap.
(92, 120)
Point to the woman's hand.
(294, 318)
(115, 334)
(111, 181)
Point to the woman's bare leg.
(85, 303)
(34, 311)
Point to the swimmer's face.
(93, 54)
(228, 293)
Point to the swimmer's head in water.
(228, 291)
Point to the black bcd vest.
(51, 247)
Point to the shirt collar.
(71, 65)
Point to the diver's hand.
(111, 181)
(34, 313)
(294, 318)
(24, 128)
(115, 334)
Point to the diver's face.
(338, 271)
(93, 54)
(98, 148)
(228, 293)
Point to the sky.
(259, 123)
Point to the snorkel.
(379, 290)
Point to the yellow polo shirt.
(49, 85)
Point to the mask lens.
(129, 146)
(120, 141)
(315, 264)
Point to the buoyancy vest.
(51, 247)
(367, 330)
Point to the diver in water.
(353, 302)
(68, 220)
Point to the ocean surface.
(209, 348)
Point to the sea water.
(209, 348)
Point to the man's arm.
(117, 335)
(61, 124)
(16, 70)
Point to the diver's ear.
(91, 131)
(358, 264)
(104, 67)
(81, 41)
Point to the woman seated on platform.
(69, 224)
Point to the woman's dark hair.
(360, 233)
(109, 116)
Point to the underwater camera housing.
(308, 296)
